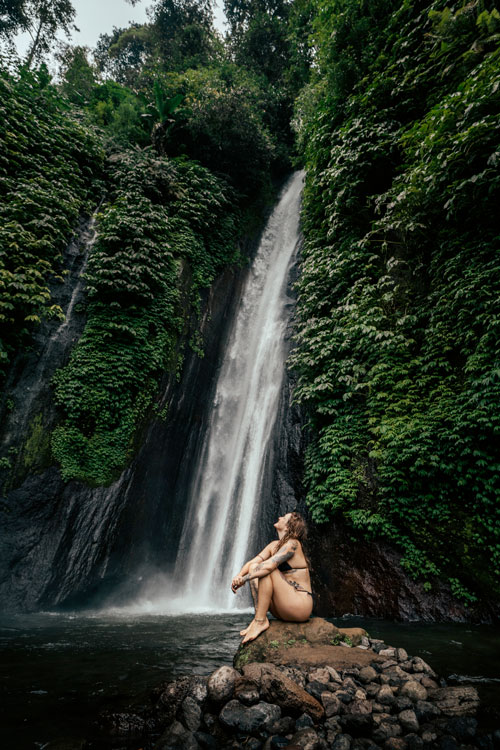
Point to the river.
(59, 670)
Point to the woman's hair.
(296, 528)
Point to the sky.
(95, 17)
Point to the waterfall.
(225, 499)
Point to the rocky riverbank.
(311, 686)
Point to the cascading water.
(224, 503)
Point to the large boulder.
(462, 700)
(249, 719)
(315, 642)
(276, 687)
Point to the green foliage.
(50, 173)
(398, 356)
(168, 220)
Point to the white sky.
(95, 17)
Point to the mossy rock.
(313, 642)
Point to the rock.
(367, 674)
(385, 695)
(387, 652)
(304, 643)
(277, 688)
(331, 703)
(408, 721)
(342, 742)
(426, 711)
(121, 724)
(385, 730)
(315, 688)
(402, 703)
(344, 695)
(248, 719)
(357, 725)
(170, 696)
(359, 707)
(419, 665)
(221, 684)
(360, 695)
(414, 690)
(319, 675)
(177, 737)
(304, 721)
(205, 741)
(414, 742)
(307, 739)
(429, 736)
(190, 714)
(395, 743)
(296, 675)
(447, 742)
(401, 654)
(462, 727)
(456, 701)
(247, 694)
(276, 742)
(285, 725)
(333, 674)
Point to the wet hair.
(296, 528)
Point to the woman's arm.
(264, 555)
(266, 567)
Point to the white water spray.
(225, 499)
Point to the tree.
(78, 76)
(184, 32)
(123, 54)
(12, 17)
(43, 19)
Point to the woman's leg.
(287, 604)
(254, 590)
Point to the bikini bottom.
(297, 586)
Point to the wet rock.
(221, 684)
(385, 730)
(388, 652)
(426, 711)
(177, 737)
(205, 741)
(319, 675)
(247, 694)
(395, 743)
(285, 725)
(414, 690)
(331, 703)
(357, 725)
(456, 701)
(303, 722)
(315, 688)
(408, 721)
(464, 728)
(367, 674)
(401, 654)
(307, 739)
(342, 742)
(414, 742)
(121, 724)
(419, 665)
(190, 714)
(277, 688)
(447, 742)
(385, 695)
(402, 703)
(249, 719)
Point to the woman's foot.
(255, 628)
(245, 630)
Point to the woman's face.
(282, 522)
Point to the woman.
(279, 578)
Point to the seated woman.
(279, 578)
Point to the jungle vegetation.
(176, 136)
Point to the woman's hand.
(237, 582)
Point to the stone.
(333, 674)
(342, 742)
(448, 742)
(408, 721)
(395, 743)
(307, 739)
(429, 736)
(249, 719)
(357, 725)
(372, 689)
(276, 742)
(385, 695)
(177, 737)
(349, 684)
(367, 674)
(419, 665)
(401, 654)
(456, 701)
(308, 644)
(294, 674)
(464, 728)
(121, 724)
(414, 690)
(275, 687)
(331, 703)
(378, 708)
(359, 695)
(385, 730)
(429, 683)
(249, 695)
(304, 721)
(221, 684)
(319, 675)
(426, 711)
(190, 713)
(344, 695)
(387, 652)
(205, 741)
(315, 688)
(414, 742)
(285, 725)
(402, 702)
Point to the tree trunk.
(31, 53)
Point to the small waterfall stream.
(225, 498)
